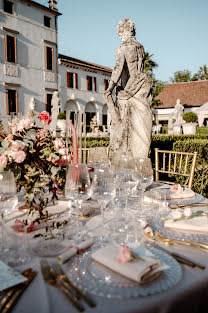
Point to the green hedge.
(202, 130)
(200, 182)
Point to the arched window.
(72, 107)
(90, 111)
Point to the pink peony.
(3, 161)
(44, 117)
(59, 143)
(19, 156)
(124, 255)
(176, 188)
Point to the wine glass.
(103, 188)
(8, 201)
(77, 189)
(144, 168)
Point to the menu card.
(9, 277)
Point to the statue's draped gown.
(131, 114)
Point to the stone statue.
(178, 114)
(31, 110)
(55, 107)
(94, 125)
(130, 108)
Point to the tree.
(202, 73)
(149, 64)
(158, 86)
(186, 76)
(181, 76)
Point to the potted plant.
(61, 123)
(189, 127)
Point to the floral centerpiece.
(37, 159)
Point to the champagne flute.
(103, 188)
(77, 189)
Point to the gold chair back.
(175, 163)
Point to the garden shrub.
(190, 117)
(61, 116)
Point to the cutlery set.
(55, 276)
(156, 237)
(14, 293)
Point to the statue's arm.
(116, 74)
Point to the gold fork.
(51, 280)
(168, 241)
(62, 277)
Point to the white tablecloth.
(189, 295)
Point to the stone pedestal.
(177, 130)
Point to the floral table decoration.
(37, 159)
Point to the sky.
(174, 32)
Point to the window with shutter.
(49, 58)
(105, 84)
(76, 81)
(11, 101)
(48, 102)
(95, 84)
(89, 83)
(10, 49)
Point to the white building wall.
(81, 95)
(29, 22)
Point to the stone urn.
(62, 125)
(189, 128)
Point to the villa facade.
(31, 67)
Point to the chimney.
(52, 5)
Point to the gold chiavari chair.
(171, 163)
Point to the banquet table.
(188, 295)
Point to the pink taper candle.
(74, 142)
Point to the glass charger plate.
(101, 281)
(158, 225)
(177, 202)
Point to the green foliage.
(61, 116)
(158, 86)
(149, 64)
(186, 75)
(190, 117)
(200, 182)
(164, 130)
(181, 76)
(201, 130)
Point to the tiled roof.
(191, 94)
(84, 65)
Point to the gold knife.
(15, 296)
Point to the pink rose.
(18, 226)
(31, 227)
(59, 143)
(63, 151)
(176, 188)
(3, 161)
(124, 255)
(19, 156)
(17, 145)
(44, 117)
(66, 159)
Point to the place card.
(9, 277)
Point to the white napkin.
(186, 193)
(137, 270)
(66, 255)
(198, 224)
